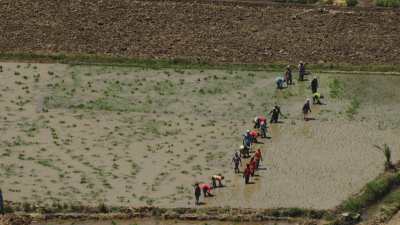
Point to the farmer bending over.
(216, 178)
(280, 82)
(206, 188)
(317, 98)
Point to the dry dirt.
(395, 220)
(128, 136)
(246, 32)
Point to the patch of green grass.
(48, 163)
(388, 3)
(371, 193)
(91, 59)
(336, 88)
(352, 109)
(390, 205)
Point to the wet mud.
(87, 135)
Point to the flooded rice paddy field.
(132, 136)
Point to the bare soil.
(212, 31)
(395, 220)
(134, 137)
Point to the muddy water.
(143, 137)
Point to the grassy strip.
(371, 193)
(182, 63)
(59, 210)
(388, 207)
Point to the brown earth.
(12, 219)
(246, 32)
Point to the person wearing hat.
(314, 85)
(288, 75)
(237, 161)
(197, 193)
(302, 70)
(306, 108)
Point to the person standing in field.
(247, 174)
(306, 108)
(302, 70)
(197, 193)
(275, 112)
(263, 129)
(237, 161)
(1, 203)
(288, 75)
(258, 158)
(314, 85)
(253, 166)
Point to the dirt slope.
(216, 32)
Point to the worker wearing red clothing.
(247, 173)
(258, 157)
(206, 188)
(262, 119)
(258, 120)
(253, 134)
(253, 166)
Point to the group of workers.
(205, 188)
(283, 82)
(260, 130)
(250, 138)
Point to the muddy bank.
(166, 222)
(99, 220)
(11, 219)
(244, 33)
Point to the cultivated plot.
(130, 136)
